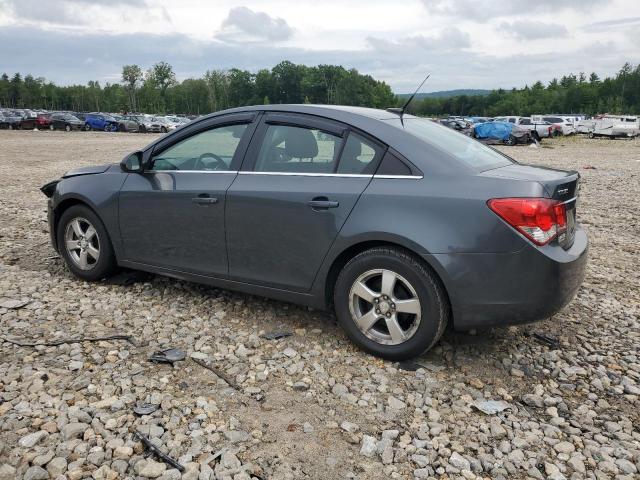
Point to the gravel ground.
(309, 405)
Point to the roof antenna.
(401, 111)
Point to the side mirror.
(132, 163)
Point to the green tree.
(131, 77)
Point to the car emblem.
(563, 191)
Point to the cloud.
(67, 12)
(606, 25)
(486, 9)
(243, 24)
(448, 39)
(76, 58)
(526, 30)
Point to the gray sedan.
(399, 225)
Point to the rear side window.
(525, 121)
(463, 148)
(291, 149)
(359, 155)
(392, 165)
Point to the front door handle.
(322, 203)
(204, 199)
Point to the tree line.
(156, 90)
(570, 94)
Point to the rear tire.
(591, 135)
(409, 314)
(67, 128)
(511, 140)
(81, 236)
(87, 127)
(51, 127)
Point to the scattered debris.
(490, 407)
(276, 335)
(223, 376)
(12, 303)
(170, 355)
(546, 340)
(589, 167)
(55, 343)
(149, 446)
(409, 366)
(145, 408)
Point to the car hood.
(93, 170)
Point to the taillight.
(538, 219)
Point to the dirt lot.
(309, 405)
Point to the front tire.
(84, 244)
(390, 303)
(87, 127)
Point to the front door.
(299, 183)
(172, 215)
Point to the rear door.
(301, 178)
(172, 215)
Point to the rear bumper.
(512, 288)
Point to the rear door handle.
(322, 203)
(204, 199)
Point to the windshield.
(469, 151)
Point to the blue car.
(100, 121)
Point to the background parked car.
(27, 119)
(497, 132)
(165, 124)
(459, 125)
(4, 123)
(12, 118)
(147, 123)
(540, 129)
(564, 126)
(100, 121)
(65, 121)
(43, 120)
(129, 123)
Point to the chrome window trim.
(306, 174)
(405, 177)
(191, 171)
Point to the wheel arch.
(65, 205)
(340, 260)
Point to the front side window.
(290, 149)
(359, 155)
(210, 150)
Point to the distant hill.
(447, 93)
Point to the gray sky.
(462, 43)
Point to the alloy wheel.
(385, 307)
(82, 243)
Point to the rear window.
(465, 149)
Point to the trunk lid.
(561, 185)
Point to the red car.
(43, 120)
